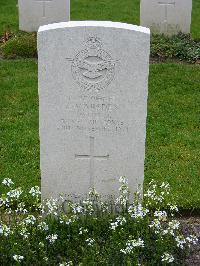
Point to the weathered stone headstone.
(34, 13)
(93, 84)
(166, 16)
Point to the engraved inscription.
(108, 126)
(92, 158)
(43, 6)
(166, 5)
(92, 114)
(91, 105)
(93, 68)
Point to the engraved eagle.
(95, 69)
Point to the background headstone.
(166, 16)
(93, 85)
(34, 13)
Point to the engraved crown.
(93, 43)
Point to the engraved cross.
(43, 6)
(166, 4)
(92, 158)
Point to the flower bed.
(92, 232)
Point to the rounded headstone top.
(107, 24)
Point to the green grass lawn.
(173, 143)
(19, 122)
(114, 10)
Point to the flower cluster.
(50, 207)
(18, 258)
(35, 191)
(83, 231)
(90, 241)
(4, 230)
(7, 182)
(65, 219)
(69, 263)
(124, 192)
(14, 193)
(21, 208)
(137, 211)
(131, 244)
(156, 194)
(30, 219)
(52, 238)
(43, 226)
(166, 257)
(46, 229)
(119, 221)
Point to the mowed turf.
(173, 130)
(114, 10)
(19, 122)
(173, 143)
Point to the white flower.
(24, 230)
(122, 199)
(4, 230)
(90, 241)
(165, 185)
(93, 193)
(4, 201)
(30, 219)
(76, 208)
(18, 258)
(180, 241)
(119, 221)
(69, 263)
(82, 230)
(43, 226)
(35, 191)
(8, 211)
(162, 215)
(113, 225)
(15, 193)
(52, 238)
(69, 221)
(65, 219)
(88, 206)
(124, 192)
(156, 225)
(7, 182)
(51, 207)
(131, 244)
(167, 257)
(123, 180)
(173, 208)
(192, 240)
(104, 207)
(21, 208)
(137, 211)
(173, 225)
(154, 194)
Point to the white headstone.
(93, 84)
(166, 16)
(34, 13)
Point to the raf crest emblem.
(93, 68)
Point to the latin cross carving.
(91, 157)
(43, 6)
(166, 4)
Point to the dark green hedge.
(181, 47)
(23, 45)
